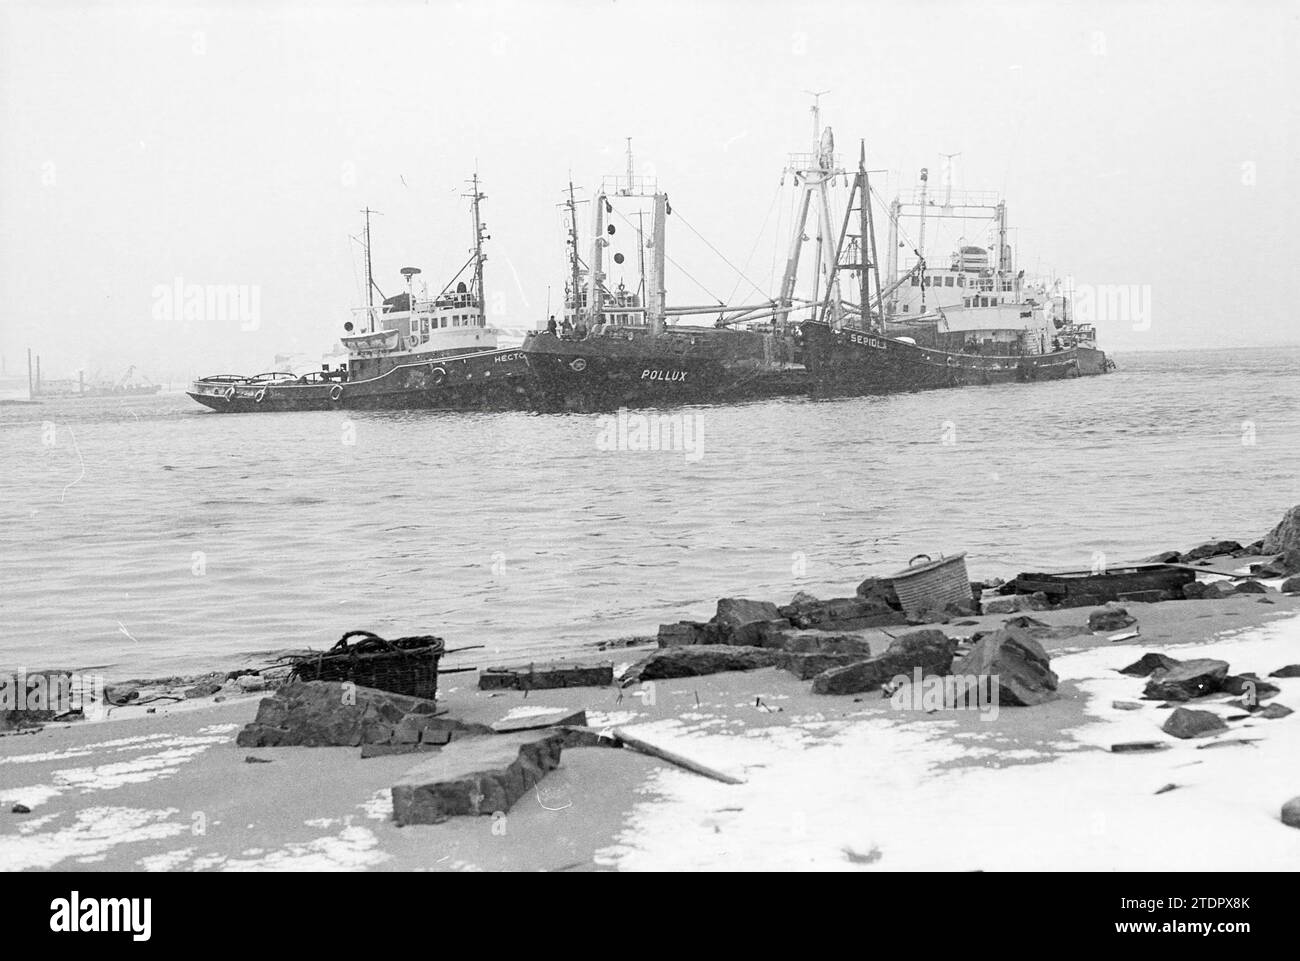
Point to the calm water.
(150, 536)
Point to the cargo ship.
(621, 344)
(977, 320)
(410, 351)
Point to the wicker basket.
(407, 665)
(932, 585)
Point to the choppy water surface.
(149, 536)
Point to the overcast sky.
(235, 144)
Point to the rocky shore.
(1080, 722)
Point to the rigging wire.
(766, 217)
(776, 240)
(739, 273)
(352, 259)
(670, 260)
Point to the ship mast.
(370, 274)
(637, 186)
(479, 236)
(856, 253)
(815, 172)
(575, 279)
(920, 231)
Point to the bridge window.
(961, 280)
(916, 281)
(947, 281)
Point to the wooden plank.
(645, 747)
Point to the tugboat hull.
(613, 371)
(853, 361)
(491, 380)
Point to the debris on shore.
(380, 698)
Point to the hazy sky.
(234, 144)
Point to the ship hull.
(851, 361)
(489, 380)
(609, 372)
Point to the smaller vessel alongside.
(409, 351)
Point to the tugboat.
(408, 352)
(976, 322)
(616, 348)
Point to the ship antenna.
(947, 177)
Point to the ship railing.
(635, 186)
(224, 379)
(813, 161)
(935, 195)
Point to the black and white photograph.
(583, 436)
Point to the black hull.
(492, 380)
(607, 373)
(851, 361)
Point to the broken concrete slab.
(1211, 549)
(1291, 670)
(842, 614)
(385, 750)
(825, 642)
(1164, 557)
(544, 677)
(697, 660)
(879, 589)
(805, 665)
(744, 622)
(1015, 657)
(552, 717)
(1186, 680)
(1217, 590)
(1187, 723)
(339, 714)
(1149, 663)
(1112, 617)
(684, 633)
(931, 651)
(1273, 712)
(475, 776)
(1250, 687)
